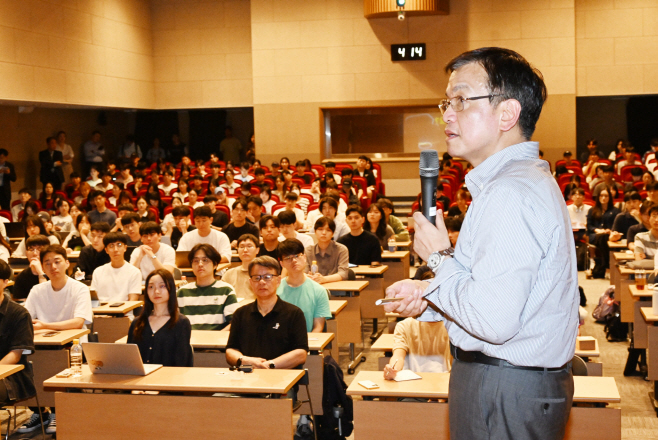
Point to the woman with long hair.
(181, 192)
(79, 236)
(161, 332)
(599, 225)
(266, 197)
(33, 226)
(285, 164)
(280, 187)
(63, 222)
(46, 195)
(143, 210)
(377, 225)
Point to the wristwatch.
(239, 362)
(437, 258)
(272, 366)
(153, 257)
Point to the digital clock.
(408, 52)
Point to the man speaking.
(509, 293)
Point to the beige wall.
(325, 53)
(617, 47)
(202, 53)
(90, 52)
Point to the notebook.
(404, 375)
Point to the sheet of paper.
(403, 375)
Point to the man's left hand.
(38, 325)
(429, 238)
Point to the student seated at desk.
(401, 233)
(363, 246)
(131, 223)
(117, 280)
(208, 303)
(93, 255)
(643, 226)
(332, 258)
(239, 224)
(627, 218)
(61, 303)
(269, 232)
(16, 337)
(646, 243)
(179, 225)
(268, 333)
(161, 332)
(422, 347)
(238, 277)
(152, 254)
(300, 290)
(204, 234)
(287, 222)
(34, 274)
(33, 226)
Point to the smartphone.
(379, 302)
(368, 384)
(116, 304)
(49, 334)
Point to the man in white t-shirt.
(117, 280)
(291, 201)
(152, 254)
(287, 221)
(205, 234)
(167, 184)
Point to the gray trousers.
(496, 403)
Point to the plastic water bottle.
(76, 358)
(391, 245)
(183, 279)
(314, 267)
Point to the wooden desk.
(377, 419)
(639, 299)
(160, 416)
(374, 291)
(336, 324)
(111, 323)
(620, 277)
(398, 266)
(652, 352)
(8, 370)
(404, 244)
(209, 348)
(621, 244)
(50, 357)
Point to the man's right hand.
(413, 303)
(255, 362)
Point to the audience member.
(238, 276)
(161, 332)
(131, 223)
(51, 162)
(608, 173)
(254, 209)
(239, 224)
(646, 243)
(287, 222)
(62, 222)
(180, 225)
(7, 175)
(25, 197)
(205, 234)
(401, 233)
(167, 185)
(101, 213)
(629, 217)
(117, 280)
(578, 209)
(34, 273)
(93, 255)
(266, 196)
(300, 290)
(268, 333)
(378, 226)
(33, 226)
(152, 254)
(643, 226)
(106, 182)
(331, 258)
(599, 223)
(269, 232)
(219, 218)
(462, 200)
(291, 199)
(453, 226)
(79, 237)
(363, 246)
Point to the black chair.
(579, 366)
(30, 369)
(298, 403)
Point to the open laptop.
(181, 259)
(116, 359)
(15, 230)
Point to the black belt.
(481, 358)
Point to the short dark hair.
(181, 211)
(148, 228)
(95, 194)
(128, 218)
(646, 206)
(510, 76)
(330, 164)
(259, 171)
(634, 195)
(115, 237)
(5, 153)
(210, 198)
(127, 207)
(255, 199)
(36, 240)
(250, 237)
(287, 217)
(262, 223)
(56, 249)
(292, 196)
(386, 203)
(455, 223)
(353, 208)
(578, 190)
(242, 202)
(654, 142)
(289, 246)
(328, 201)
(654, 209)
(207, 249)
(325, 221)
(101, 227)
(5, 271)
(267, 262)
(203, 211)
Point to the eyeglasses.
(267, 278)
(197, 261)
(115, 246)
(457, 103)
(246, 246)
(290, 258)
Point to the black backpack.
(615, 330)
(336, 421)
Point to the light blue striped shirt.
(511, 290)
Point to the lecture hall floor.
(639, 421)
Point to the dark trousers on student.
(495, 403)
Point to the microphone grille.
(429, 163)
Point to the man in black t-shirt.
(34, 274)
(239, 224)
(268, 333)
(363, 246)
(94, 255)
(269, 230)
(219, 217)
(182, 224)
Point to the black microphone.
(429, 174)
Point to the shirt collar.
(479, 176)
(275, 310)
(328, 252)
